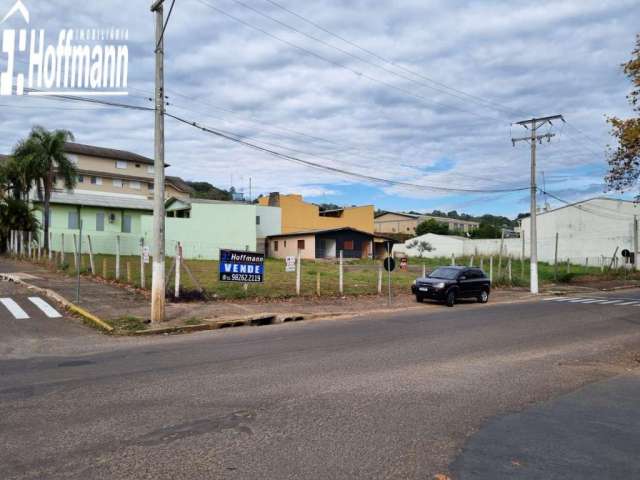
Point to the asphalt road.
(379, 397)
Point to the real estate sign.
(291, 264)
(243, 267)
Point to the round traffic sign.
(389, 264)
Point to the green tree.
(432, 226)
(624, 160)
(421, 246)
(42, 152)
(486, 230)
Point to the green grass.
(129, 324)
(193, 321)
(360, 277)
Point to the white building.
(590, 231)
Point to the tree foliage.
(207, 191)
(432, 226)
(624, 159)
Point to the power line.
(173, 3)
(485, 102)
(343, 66)
(335, 169)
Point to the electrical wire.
(164, 27)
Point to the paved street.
(387, 396)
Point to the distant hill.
(209, 192)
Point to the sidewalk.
(593, 433)
(109, 301)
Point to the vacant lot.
(360, 277)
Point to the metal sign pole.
(389, 271)
(79, 263)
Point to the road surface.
(386, 396)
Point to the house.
(406, 223)
(298, 215)
(204, 227)
(327, 244)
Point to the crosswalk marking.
(618, 302)
(628, 303)
(15, 309)
(48, 310)
(582, 300)
(610, 302)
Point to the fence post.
(104, 268)
(178, 269)
(522, 257)
(50, 246)
(453, 259)
(481, 263)
(76, 263)
(555, 262)
(142, 276)
(471, 261)
(117, 257)
(509, 273)
(491, 268)
(424, 270)
(568, 265)
(636, 263)
(30, 239)
(62, 259)
(379, 280)
(92, 265)
(298, 274)
(341, 273)
(318, 283)
(129, 272)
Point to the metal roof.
(110, 153)
(105, 201)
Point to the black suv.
(447, 284)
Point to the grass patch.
(193, 321)
(129, 323)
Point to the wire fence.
(126, 260)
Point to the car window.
(479, 274)
(445, 273)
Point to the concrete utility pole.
(636, 260)
(157, 280)
(533, 125)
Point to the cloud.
(393, 121)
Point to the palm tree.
(42, 153)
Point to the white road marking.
(610, 302)
(48, 310)
(562, 299)
(14, 308)
(581, 300)
(599, 300)
(627, 303)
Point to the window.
(300, 244)
(117, 182)
(96, 181)
(347, 245)
(275, 246)
(121, 164)
(126, 224)
(80, 178)
(72, 223)
(150, 186)
(258, 220)
(137, 165)
(100, 222)
(135, 185)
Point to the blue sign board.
(243, 267)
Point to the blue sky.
(438, 113)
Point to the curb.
(62, 301)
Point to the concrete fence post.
(50, 252)
(318, 283)
(62, 259)
(104, 268)
(424, 270)
(379, 280)
(341, 273)
(142, 274)
(92, 265)
(568, 265)
(30, 239)
(129, 272)
(509, 273)
(76, 262)
(481, 263)
(178, 269)
(491, 268)
(453, 259)
(298, 274)
(117, 257)
(471, 261)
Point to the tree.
(207, 191)
(421, 246)
(624, 160)
(486, 230)
(43, 154)
(432, 226)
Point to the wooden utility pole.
(158, 252)
(533, 124)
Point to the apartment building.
(406, 223)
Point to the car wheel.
(419, 298)
(450, 300)
(483, 297)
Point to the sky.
(421, 92)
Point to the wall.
(394, 223)
(288, 247)
(211, 227)
(298, 215)
(443, 246)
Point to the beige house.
(117, 173)
(397, 222)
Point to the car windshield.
(446, 273)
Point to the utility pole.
(636, 260)
(533, 124)
(158, 251)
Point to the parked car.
(447, 284)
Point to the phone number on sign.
(243, 277)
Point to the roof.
(575, 204)
(105, 201)
(180, 184)
(111, 153)
(402, 214)
(320, 230)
